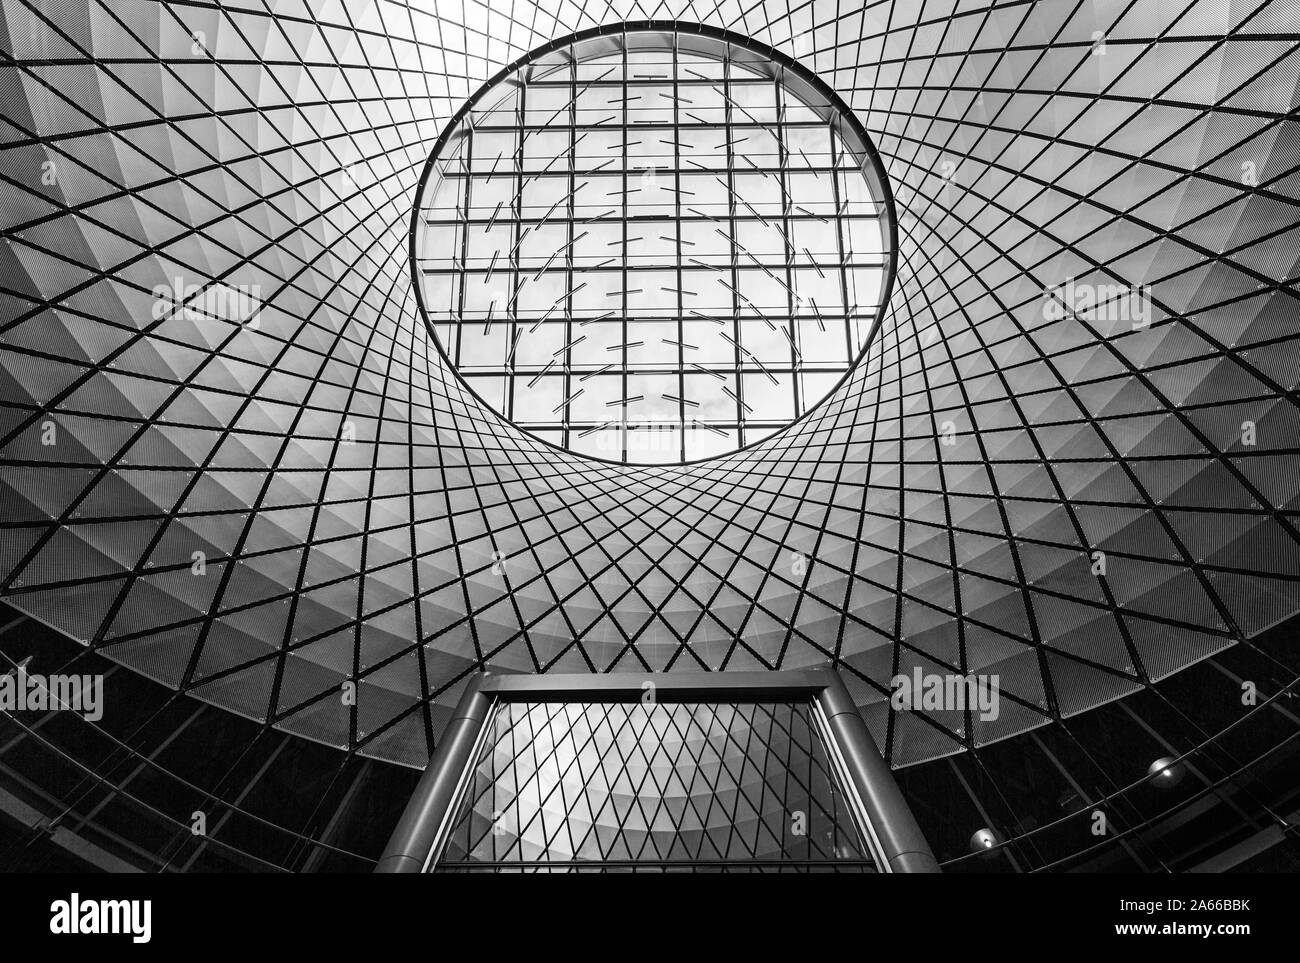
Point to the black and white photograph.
(471, 438)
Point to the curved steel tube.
(887, 823)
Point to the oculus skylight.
(653, 246)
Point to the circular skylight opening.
(653, 245)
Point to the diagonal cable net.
(684, 784)
(232, 459)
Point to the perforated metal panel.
(361, 518)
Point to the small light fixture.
(1166, 772)
(984, 841)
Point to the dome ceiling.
(232, 458)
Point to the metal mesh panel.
(231, 457)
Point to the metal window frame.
(772, 66)
(877, 807)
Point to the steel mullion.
(783, 163)
(677, 233)
(731, 224)
(572, 203)
(843, 250)
(625, 335)
(466, 159)
(517, 204)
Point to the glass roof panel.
(615, 300)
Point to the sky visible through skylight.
(650, 254)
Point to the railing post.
(429, 809)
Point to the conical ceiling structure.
(232, 459)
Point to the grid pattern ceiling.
(647, 247)
(687, 785)
(277, 487)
